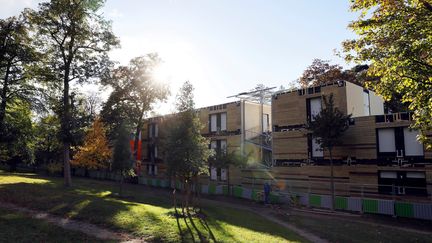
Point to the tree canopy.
(135, 91)
(74, 39)
(95, 152)
(322, 72)
(186, 151)
(395, 37)
(16, 53)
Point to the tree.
(135, 91)
(48, 145)
(122, 161)
(395, 37)
(327, 127)
(19, 134)
(321, 72)
(224, 159)
(16, 54)
(75, 40)
(95, 153)
(185, 150)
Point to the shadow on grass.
(204, 232)
(91, 200)
(103, 211)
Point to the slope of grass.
(16, 227)
(146, 213)
(339, 230)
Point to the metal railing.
(378, 191)
(263, 140)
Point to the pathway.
(75, 225)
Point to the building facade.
(377, 149)
(236, 126)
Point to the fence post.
(362, 196)
(394, 200)
(308, 194)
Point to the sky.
(224, 47)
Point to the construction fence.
(356, 204)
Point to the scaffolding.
(262, 96)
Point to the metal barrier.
(309, 196)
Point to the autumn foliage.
(95, 153)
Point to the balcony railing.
(394, 117)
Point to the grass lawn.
(147, 214)
(16, 227)
(340, 230)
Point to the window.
(152, 152)
(386, 140)
(218, 173)
(213, 173)
(152, 169)
(316, 149)
(153, 130)
(412, 146)
(223, 122)
(313, 107)
(218, 122)
(223, 174)
(218, 145)
(366, 103)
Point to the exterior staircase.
(263, 140)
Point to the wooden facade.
(229, 123)
(292, 141)
(365, 157)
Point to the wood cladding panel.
(233, 112)
(290, 108)
(233, 117)
(290, 145)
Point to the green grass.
(340, 230)
(16, 227)
(147, 214)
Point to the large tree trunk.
(332, 187)
(121, 185)
(66, 129)
(137, 132)
(3, 99)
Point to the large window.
(313, 107)
(153, 130)
(402, 182)
(152, 169)
(218, 122)
(218, 173)
(366, 103)
(412, 146)
(399, 141)
(386, 140)
(317, 151)
(152, 150)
